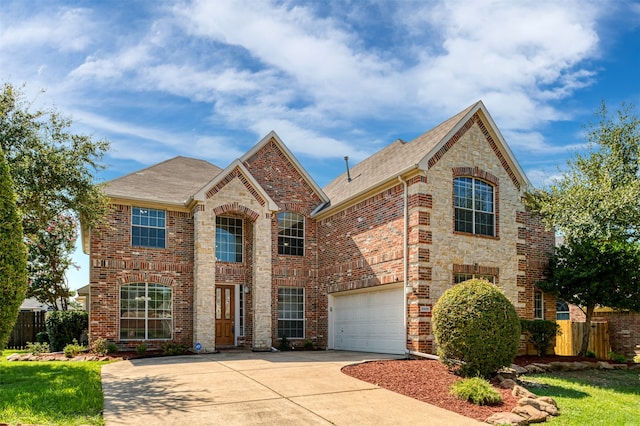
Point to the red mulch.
(429, 381)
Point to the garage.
(369, 321)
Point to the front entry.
(225, 304)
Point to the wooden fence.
(28, 325)
(569, 342)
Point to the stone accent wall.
(272, 169)
(115, 262)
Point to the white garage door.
(371, 321)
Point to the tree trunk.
(587, 333)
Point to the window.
(241, 310)
(562, 310)
(290, 234)
(459, 278)
(473, 204)
(145, 312)
(228, 239)
(538, 305)
(291, 312)
(148, 227)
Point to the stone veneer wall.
(115, 262)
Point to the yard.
(52, 393)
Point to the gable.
(281, 175)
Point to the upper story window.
(148, 227)
(228, 239)
(291, 233)
(474, 206)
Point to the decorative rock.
(545, 367)
(13, 357)
(532, 414)
(604, 365)
(548, 400)
(504, 375)
(520, 392)
(507, 384)
(532, 368)
(561, 365)
(620, 366)
(540, 405)
(518, 370)
(590, 364)
(579, 366)
(635, 367)
(505, 418)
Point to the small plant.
(476, 390)
(73, 349)
(308, 345)
(590, 354)
(618, 358)
(540, 333)
(636, 359)
(38, 348)
(141, 349)
(173, 348)
(99, 346)
(285, 345)
(112, 348)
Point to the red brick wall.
(115, 262)
(624, 331)
(290, 190)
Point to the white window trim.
(473, 203)
(304, 234)
(304, 315)
(535, 313)
(146, 313)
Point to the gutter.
(421, 354)
(405, 254)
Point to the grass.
(50, 393)
(592, 397)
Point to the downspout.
(405, 257)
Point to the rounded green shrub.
(476, 327)
(476, 390)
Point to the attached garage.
(368, 321)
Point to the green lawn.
(50, 393)
(592, 397)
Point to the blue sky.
(208, 79)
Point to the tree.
(598, 198)
(53, 171)
(588, 273)
(49, 257)
(13, 257)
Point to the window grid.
(459, 278)
(148, 228)
(538, 305)
(291, 234)
(145, 312)
(562, 310)
(228, 239)
(291, 312)
(474, 206)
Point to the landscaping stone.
(506, 418)
(540, 405)
(620, 366)
(521, 392)
(545, 367)
(604, 365)
(518, 370)
(532, 414)
(532, 368)
(507, 384)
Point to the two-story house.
(244, 255)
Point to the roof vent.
(346, 160)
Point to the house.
(244, 255)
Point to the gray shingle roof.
(389, 162)
(171, 182)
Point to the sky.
(209, 79)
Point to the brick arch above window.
(236, 208)
(145, 277)
(477, 173)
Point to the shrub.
(99, 346)
(636, 359)
(73, 349)
(112, 348)
(42, 337)
(540, 333)
(285, 345)
(65, 326)
(476, 328)
(38, 348)
(174, 348)
(476, 390)
(590, 354)
(618, 358)
(141, 349)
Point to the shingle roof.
(173, 181)
(390, 161)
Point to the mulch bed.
(429, 381)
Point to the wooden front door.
(225, 318)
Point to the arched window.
(562, 310)
(146, 312)
(291, 233)
(474, 206)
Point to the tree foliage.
(13, 258)
(588, 273)
(598, 198)
(49, 257)
(53, 170)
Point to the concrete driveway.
(249, 388)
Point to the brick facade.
(357, 246)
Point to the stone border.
(532, 408)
